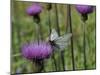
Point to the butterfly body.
(54, 45)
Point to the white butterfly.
(59, 42)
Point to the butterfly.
(59, 42)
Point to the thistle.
(84, 10)
(37, 52)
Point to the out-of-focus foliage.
(23, 31)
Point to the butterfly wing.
(54, 35)
(63, 41)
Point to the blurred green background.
(23, 31)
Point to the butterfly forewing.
(54, 35)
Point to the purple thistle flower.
(37, 50)
(84, 9)
(34, 9)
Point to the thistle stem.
(54, 60)
(40, 65)
(39, 34)
(63, 62)
(70, 24)
(49, 23)
(57, 22)
(53, 56)
(84, 45)
(58, 30)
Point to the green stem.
(39, 35)
(53, 56)
(70, 24)
(58, 30)
(84, 45)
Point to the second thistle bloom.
(84, 9)
(37, 50)
(34, 9)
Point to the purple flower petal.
(84, 9)
(37, 50)
(34, 9)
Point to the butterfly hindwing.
(63, 41)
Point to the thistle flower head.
(37, 50)
(84, 9)
(34, 9)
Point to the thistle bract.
(37, 50)
(34, 9)
(49, 6)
